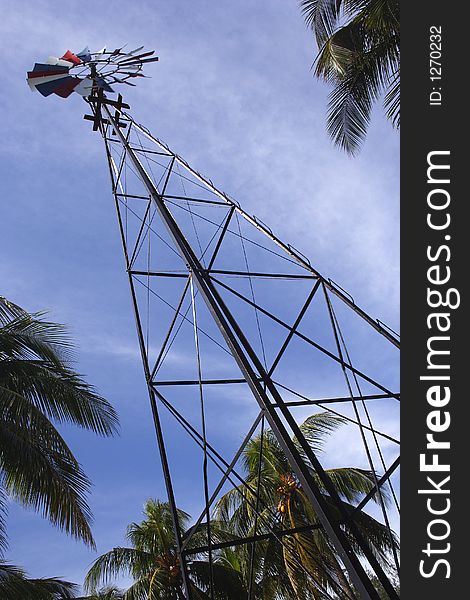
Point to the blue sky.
(233, 93)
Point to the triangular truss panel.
(241, 337)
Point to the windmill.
(235, 325)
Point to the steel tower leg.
(155, 413)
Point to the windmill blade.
(148, 60)
(39, 81)
(132, 74)
(65, 87)
(44, 77)
(54, 60)
(41, 70)
(140, 62)
(71, 57)
(132, 52)
(85, 54)
(59, 85)
(130, 67)
(136, 50)
(103, 84)
(123, 81)
(138, 56)
(85, 87)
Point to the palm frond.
(155, 533)
(271, 576)
(37, 384)
(139, 590)
(45, 479)
(52, 588)
(15, 409)
(39, 469)
(118, 561)
(316, 427)
(33, 363)
(228, 584)
(352, 483)
(297, 578)
(110, 592)
(377, 535)
(220, 533)
(272, 456)
(13, 582)
(30, 336)
(60, 394)
(359, 55)
(3, 512)
(377, 15)
(9, 311)
(230, 558)
(357, 81)
(228, 505)
(321, 16)
(15, 585)
(392, 102)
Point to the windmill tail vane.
(208, 278)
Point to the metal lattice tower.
(193, 253)
(237, 327)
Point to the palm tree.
(303, 565)
(359, 54)
(38, 387)
(109, 592)
(152, 561)
(15, 585)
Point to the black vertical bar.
(251, 578)
(204, 441)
